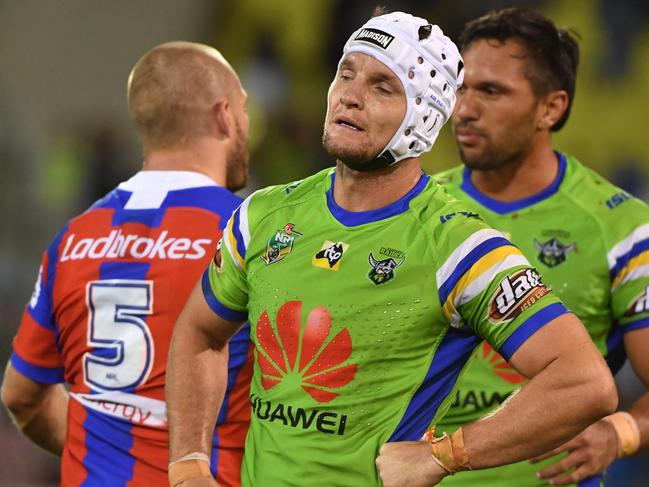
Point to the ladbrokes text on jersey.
(117, 245)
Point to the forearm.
(555, 405)
(44, 423)
(196, 381)
(640, 412)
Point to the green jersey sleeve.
(224, 282)
(487, 284)
(628, 261)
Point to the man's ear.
(223, 120)
(552, 107)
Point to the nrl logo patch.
(376, 37)
(639, 305)
(553, 252)
(516, 293)
(383, 271)
(330, 255)
(280, 244)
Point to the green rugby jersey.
(590, 242)
(362, 321)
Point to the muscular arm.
(570, 388)
(637, 348)
(593, 450)
(39, 410)
(196, 376)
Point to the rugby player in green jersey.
(366, 301)
(588, 239)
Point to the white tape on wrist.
(192, 456)
(628, 433)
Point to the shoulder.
(451, 177)
(617, 211)
(447, 221)
(275, 198)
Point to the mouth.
(466, 136)
(348, 123)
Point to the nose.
(466, 106)
(352, 95)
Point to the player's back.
(110, 289)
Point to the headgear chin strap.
(429, 66)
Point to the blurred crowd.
(286, 54)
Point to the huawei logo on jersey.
(117, 245)
(304, 356)
(500, 366)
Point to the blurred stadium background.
(66, 139)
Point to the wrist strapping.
(449, 452)
(628, 433)
(190, 466)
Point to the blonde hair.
(172, 91)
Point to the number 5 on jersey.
(122, 353)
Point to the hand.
(590, 452)
(199, 482)
(408, 464)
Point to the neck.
(365, 191)
(205, 156)
(519, 179)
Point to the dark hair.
(553, 52)
(380, 10)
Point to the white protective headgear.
(430, 68)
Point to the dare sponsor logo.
(639, 304)
(218, 257)
(515, 294)
(117, 245)
(306, 357)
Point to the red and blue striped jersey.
(109, 290)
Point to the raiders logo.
(515, 294)
(383, 271)
(553, 252)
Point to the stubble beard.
(492, 158)
(353, 155)
(237, 162)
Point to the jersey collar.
(502, 207)
(149, 188)
(355, 218)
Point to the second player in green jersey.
(588, 238)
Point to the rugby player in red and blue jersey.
(114, 280)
